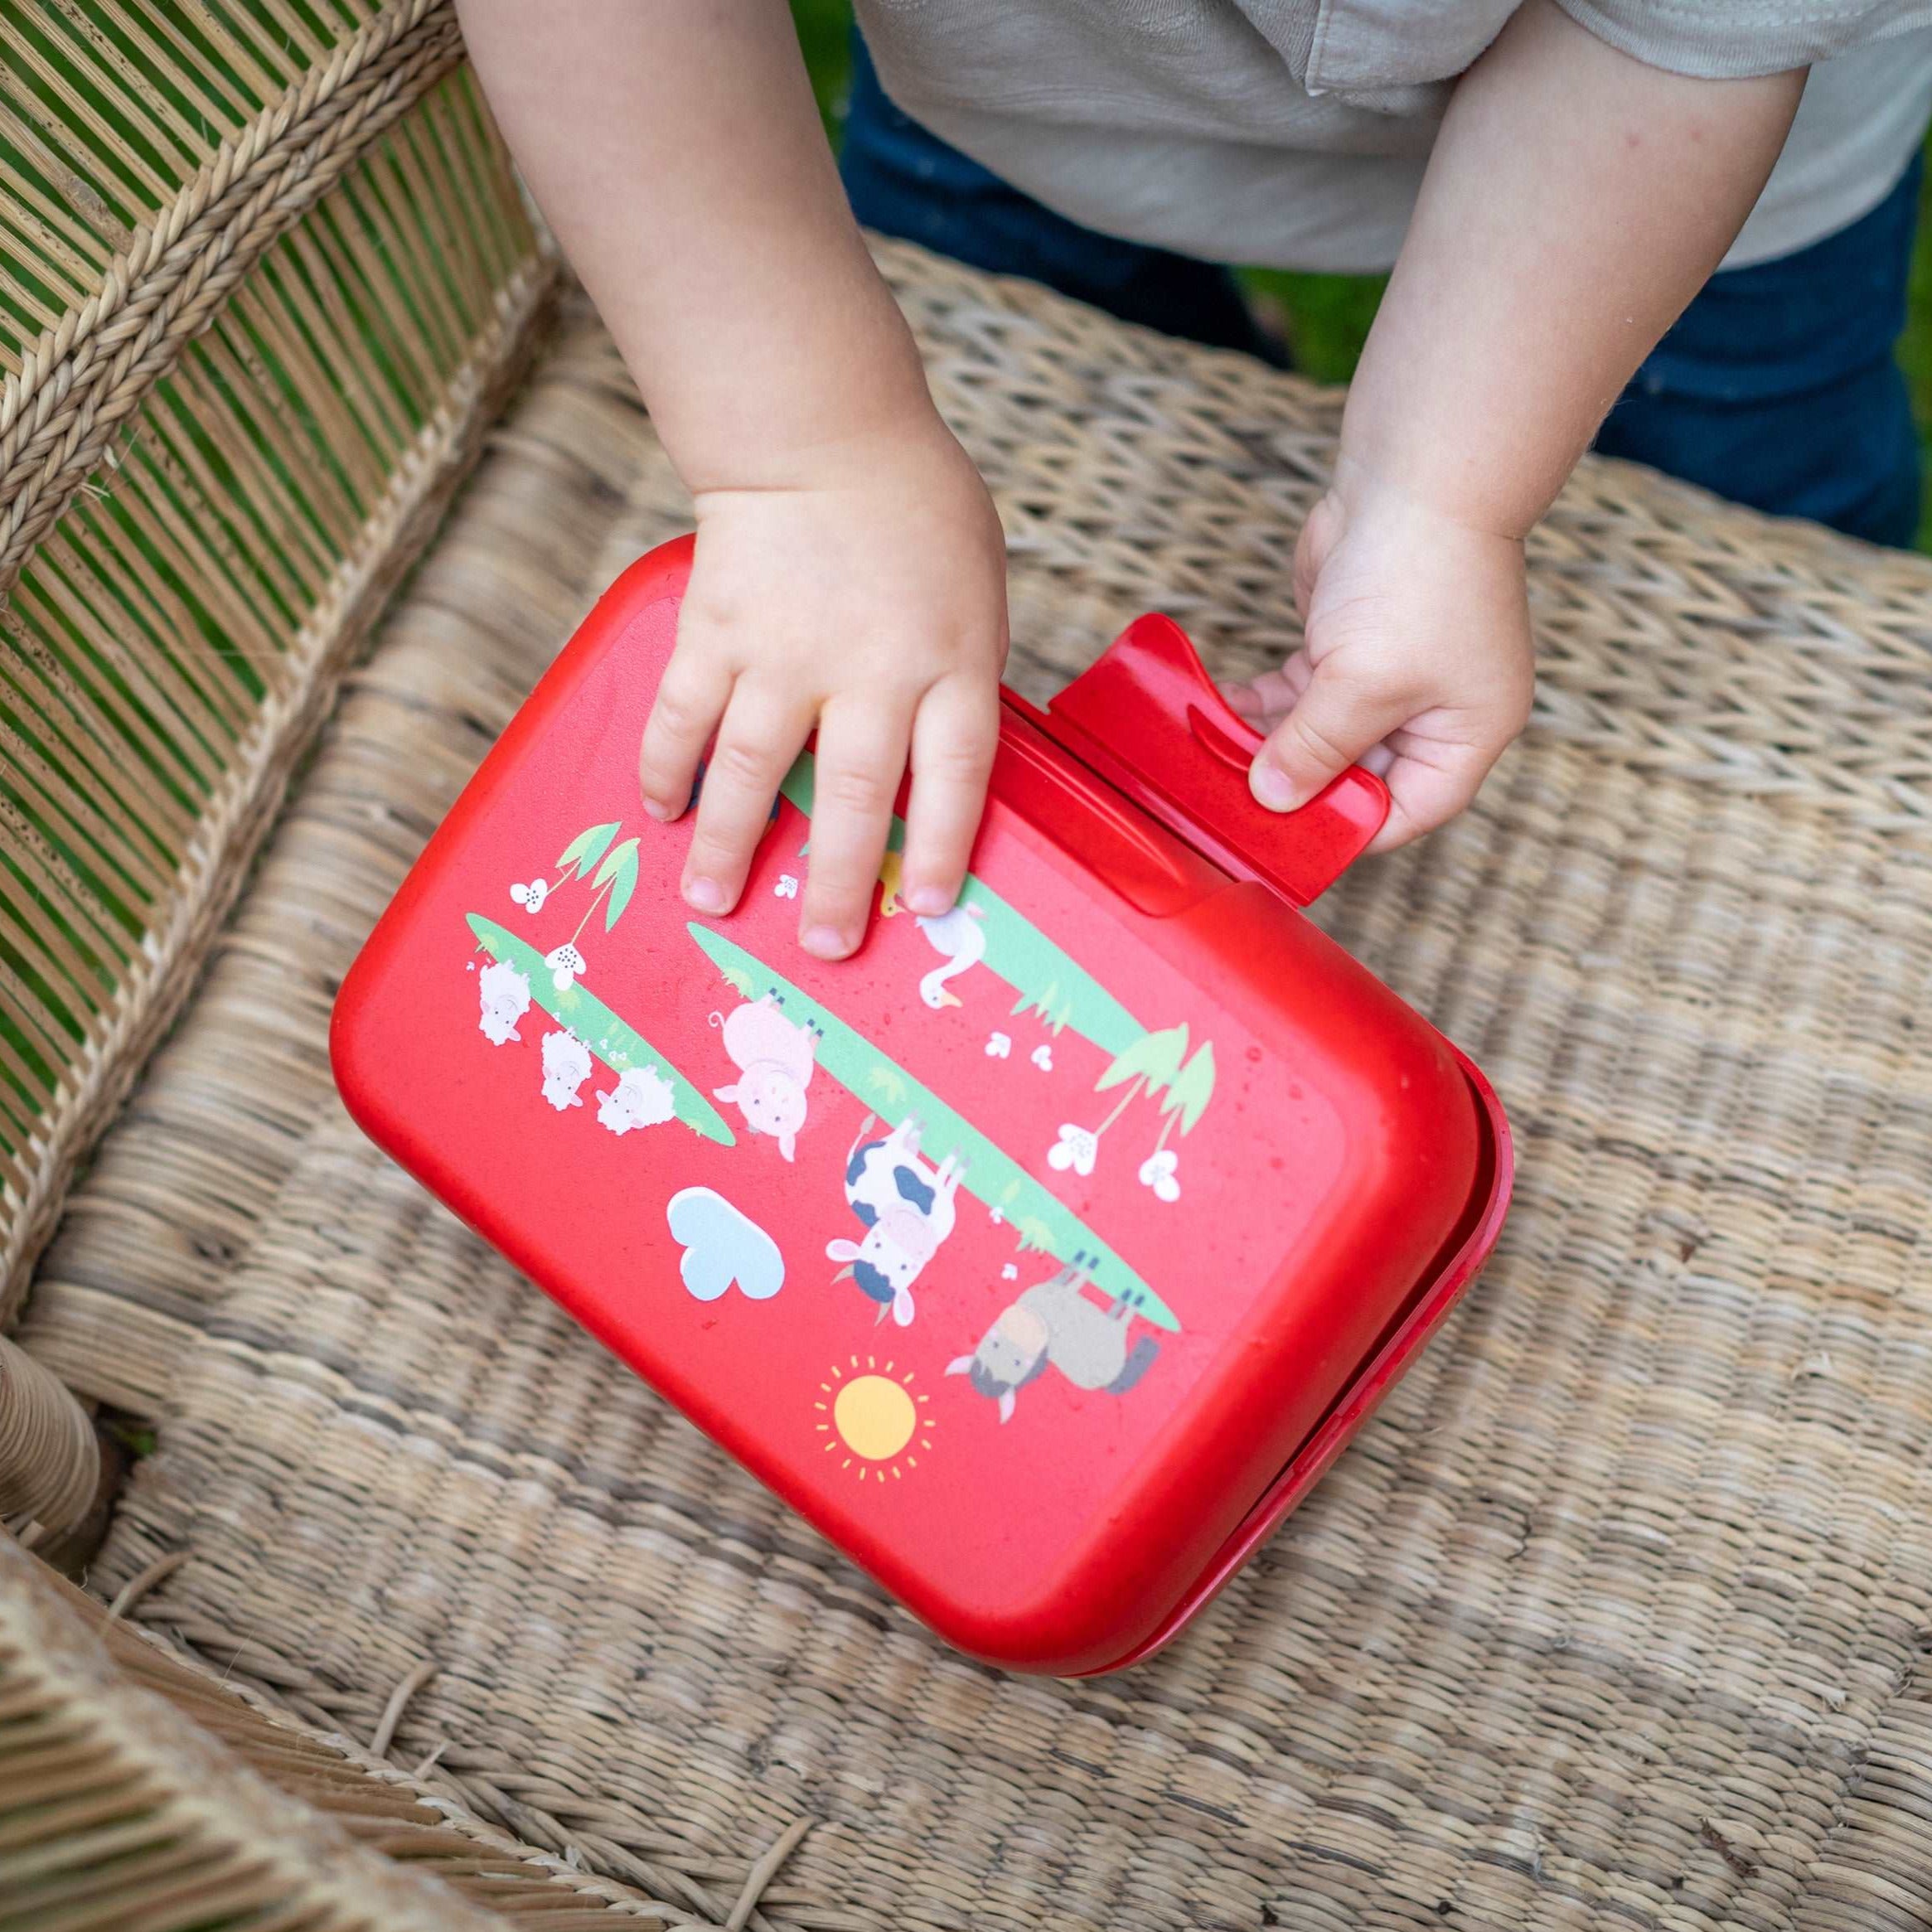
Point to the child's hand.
(862, 594)
(1574, 201)
(1417, 660)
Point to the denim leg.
(905, 181)
(1778, 386)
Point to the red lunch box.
(1041, 1254)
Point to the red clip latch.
(1147, 717)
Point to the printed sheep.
(566, 1068)
(505, 997)
(643, 1097)
(775, 1056)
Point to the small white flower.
(531, 897)
(1043, 1057)
(1009, 1273)
(999, 1220)
(787, 888)
(1076, 1149)
(998, 1046)
(1157, 1171)
(565, 963)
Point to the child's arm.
(1575, 200)
(850, 570)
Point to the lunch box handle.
(1148, 718)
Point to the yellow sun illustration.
(873, 1416)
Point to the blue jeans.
(1776, 388)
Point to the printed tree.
(1155, 1066)
(1189, 1091)
(616, 876)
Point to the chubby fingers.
(954, 737)
(761, 734)
(1333, 720)
(691, 698)
(1433, 755)
(1438, 766)
(1429, 785)
(861, 756)
(1262, 701)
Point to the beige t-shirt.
(1293, 133)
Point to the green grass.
(1915, 353)
(824, 31)
(1326, 317)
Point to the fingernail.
(662, 813)
(930, 900)
(1271, 785)
(827, 942)
(706, 894)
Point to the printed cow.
(566, 1068)
(1055, 1324)
(775, 1056)
(906, 1207)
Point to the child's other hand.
(861, 593)
(1417, 661)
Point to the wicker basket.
(273, 285)
(424, 1612)
(270, 280)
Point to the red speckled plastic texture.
(1042, 1255)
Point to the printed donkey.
(1055, 1324)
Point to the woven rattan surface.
(138, 1789)
(1618, 1616)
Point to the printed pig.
(906, 1207)
(775, 1056)
(566, 1068)
(1054, 1324)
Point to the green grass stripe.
(613, 1040)
(1049, 980)
(994, 1176)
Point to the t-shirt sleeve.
(1728, 40)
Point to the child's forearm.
(1574, 201)
(848, 578)
(677, 152)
